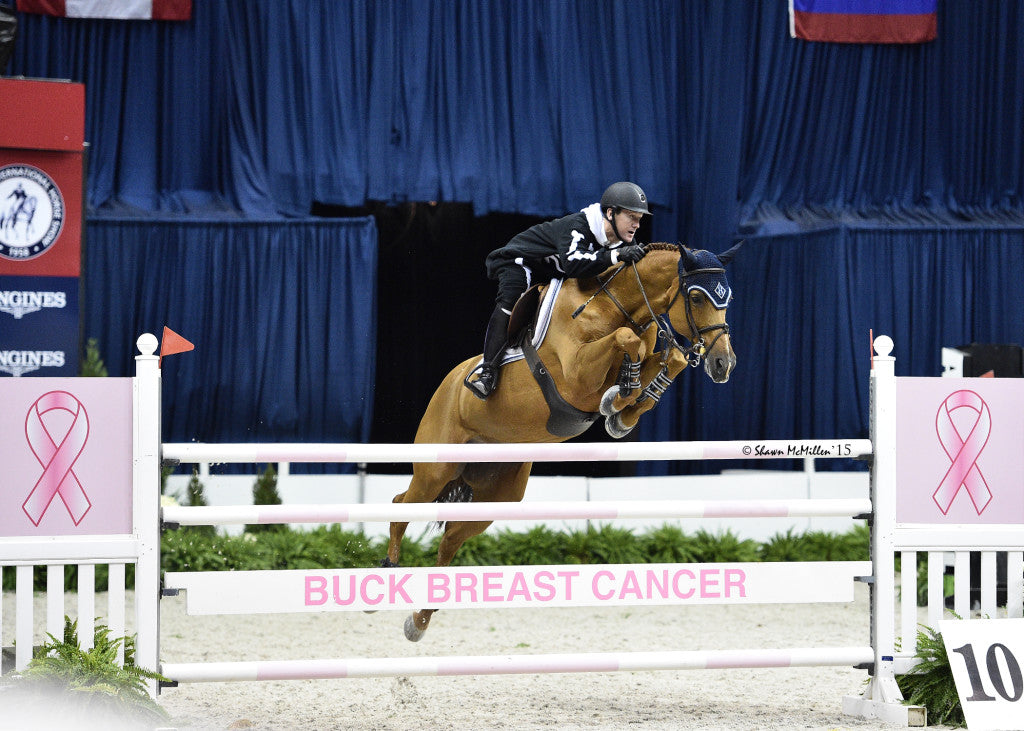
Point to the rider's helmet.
(625, 195)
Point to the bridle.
(698, 346)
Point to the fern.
(931, 683)
(89, 683)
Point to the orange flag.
(172, 343)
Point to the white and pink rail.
(937, 488)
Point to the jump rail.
(554, 510)
(193, 452)
(594, 662)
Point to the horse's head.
(698, 310)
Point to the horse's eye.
(696, 298)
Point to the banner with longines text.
(41, 181)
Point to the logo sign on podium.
(960, 450)
(66, 447)
(41, 197)
(987, 657)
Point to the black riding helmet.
(625, 195)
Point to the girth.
(565, 419)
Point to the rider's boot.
(494, 342)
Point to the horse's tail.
(456, 491)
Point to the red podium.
(41, 181)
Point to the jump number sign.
(986, 657)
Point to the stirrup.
(485, 382)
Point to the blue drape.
(283, 317)
(879, 186)
(532, 106)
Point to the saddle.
(565, 420)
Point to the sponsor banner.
(66, 448)
(960, 450)
(465, 587)
(39, 328)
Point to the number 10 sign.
(986, 656)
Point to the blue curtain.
(532, 106)
(283, 317)
(878, 186)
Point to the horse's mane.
(662, 246)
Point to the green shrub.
(667, 544)
(83, 685)
(722, 548)
(264, 492)
(92, 364)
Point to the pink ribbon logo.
(963, 452)
(57, 459)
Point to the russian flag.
(116, 9)
(863, 21)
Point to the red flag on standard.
(171, 343)
(113, 9)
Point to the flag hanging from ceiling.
(863, 21)
(116, 9)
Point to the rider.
(576, 246)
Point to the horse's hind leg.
(490, 483)
(455, 534)
(428, 480)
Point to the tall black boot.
(494, 343)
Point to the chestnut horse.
(612, 348)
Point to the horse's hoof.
(613, 425)
(607, 400)
(412, 632)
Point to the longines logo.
(19, 303)
(20, 362)
(31, 212)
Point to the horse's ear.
(687, 258)
(727, 256)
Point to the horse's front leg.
(622, 421)
(597, 364)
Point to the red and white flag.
(117, 9)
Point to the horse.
(23, 209)
(612, 348)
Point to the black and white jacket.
(573, 246)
